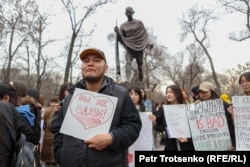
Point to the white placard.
(242, 122)
(145, 140)
(88, 114)
(209, 126)
(177, 122)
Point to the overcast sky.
(162, 17)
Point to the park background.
(40, 43)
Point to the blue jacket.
(125, 127)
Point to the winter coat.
(47, 150)
(125, 127)
(36, 110)
(6, 141)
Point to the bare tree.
(241, 6)
(40, 25)
(76, 25)
(192, 73)
(14, 15)
(233, 74)
(196, 22)
(174, 67)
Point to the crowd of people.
(42, 125)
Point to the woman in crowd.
(137, 98)
(173, 96)
(244, 82)
(207, 92)
(146, 101)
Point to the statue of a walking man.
(133, 36)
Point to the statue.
(133, 36)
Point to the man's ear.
(6, 98)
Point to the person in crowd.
(21, 89)
(9, 94)
(108, 149)
(29, 105)
(8, 119)
(137, 98)
(195, 94)
(207, 92)
(173, 97)
(185, 95)
(146, 101)
(63, 92)
(244, 82)
(47, 149)
(134, 37)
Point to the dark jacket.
(125, 127)
(19, 125)
(170, 143)
(230, 124)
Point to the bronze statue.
(133, 36)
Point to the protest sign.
(88, 114)
(145, 140)
(177, 122)
(209, 126)
(242, 122)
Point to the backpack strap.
(19, 138)
(20, 142)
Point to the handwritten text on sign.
(242, 121)
(88, 114)
(208, 125)
(176, 119)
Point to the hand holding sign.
(88, 114)
(99, 142)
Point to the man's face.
(129, 14)
(93, 68)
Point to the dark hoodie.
(125, 127)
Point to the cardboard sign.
(209, 126)
(144, 141)
(88, 114)
(177, 122)
(242, 122)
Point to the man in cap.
(108, 149)
(133, 36)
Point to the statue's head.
(129, 10)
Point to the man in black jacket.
(108, 149)
(8, 94)
(10, 118)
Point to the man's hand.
(99, 142)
